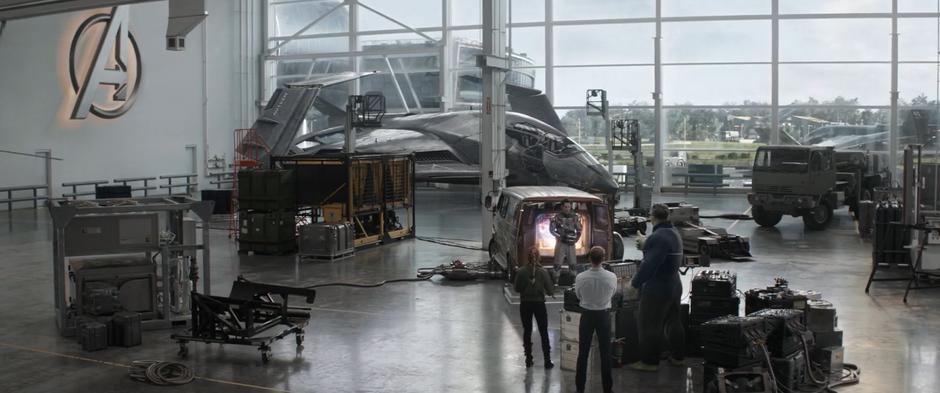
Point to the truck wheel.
(765, 218)
(703, 249)
(818, 218)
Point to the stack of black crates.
(828, 352)
(714, 295)
(730, 344)
(785, 345)
(266, 211)
(778, 296)
(891, 237)
(784, 330)
(123, 329)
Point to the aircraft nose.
(604, 181)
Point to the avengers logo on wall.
(105, 82)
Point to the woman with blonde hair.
(532, 283)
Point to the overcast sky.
(722, 41)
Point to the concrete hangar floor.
(442, 336)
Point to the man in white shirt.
(594, 288)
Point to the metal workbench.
(171, 210)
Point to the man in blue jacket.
(657, 279)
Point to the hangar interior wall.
(150, 139)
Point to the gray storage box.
(831, 360)
(326, 241)
(828, 339)
(126, 329)
(820, 316)
(93, 336)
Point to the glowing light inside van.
(546, 242)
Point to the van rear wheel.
(492, 250)
(616, 250)
(494, 264)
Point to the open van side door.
(527, 229)
(601, 227)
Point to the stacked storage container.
(731, 343)
(266, 211)
(785, 345)
(327, 241)
(714, 295)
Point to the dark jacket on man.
(533, 283)
(658, 274)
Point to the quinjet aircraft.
(446, 145)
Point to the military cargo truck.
(809, 182)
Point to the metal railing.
(702, 180)
(146, 188)
(188, 184)
(35, 198)
(221, 178)
(75, 184)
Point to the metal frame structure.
(447, 29)
(174, 208)
(369, 186)
(247, 317)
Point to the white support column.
(660, 137)
(610, 137)
(550, 50)
(774, 73)
(893, 135)
(445, 63)
(494, 63)
(349, 144)
(353, 43)
(394, 76)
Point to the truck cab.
(521, 219)
(808, 182)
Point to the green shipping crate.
(268, 190)
(266, 227)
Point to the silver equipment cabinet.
(144, 227)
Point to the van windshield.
(782, 160)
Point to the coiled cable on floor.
(161, 373)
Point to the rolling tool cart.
(248, 316)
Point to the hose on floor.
(729, 216)
(161, 373)
(450, 242)
(372, 285)
(457, 270)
